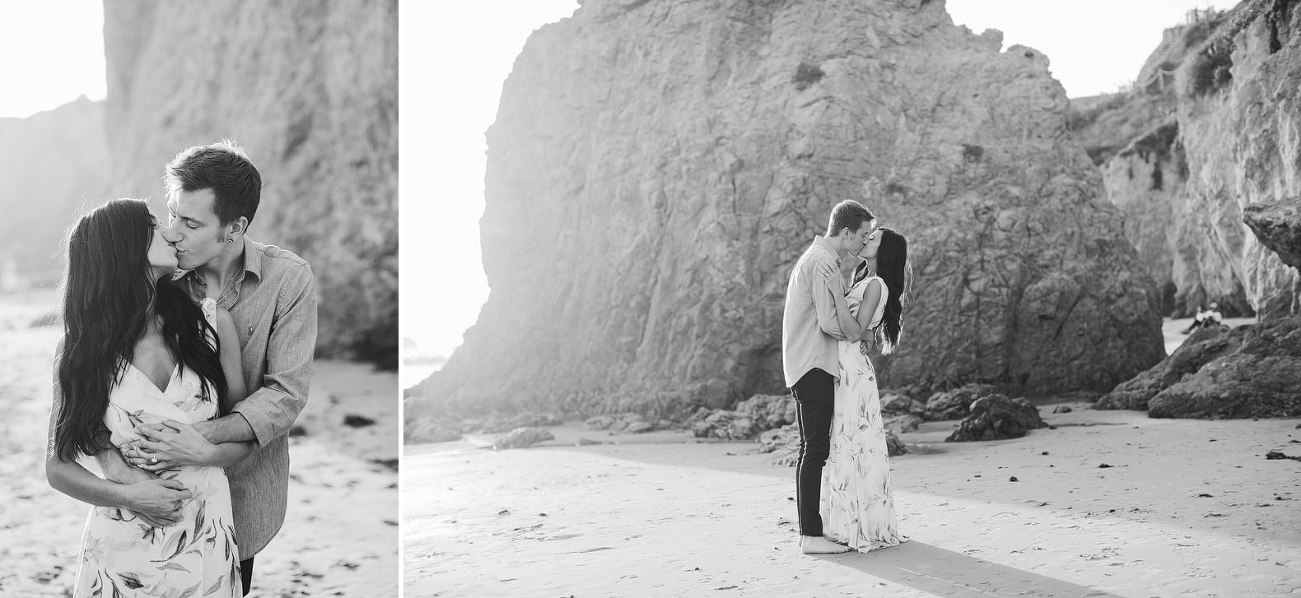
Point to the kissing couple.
(185, 358)
(846, 294)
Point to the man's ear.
(237, 227)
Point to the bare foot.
(820, 545)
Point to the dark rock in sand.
(431, 431)
(1248, 371)
(997, 417)
(357, 421)
(727, 425)
(898, 404)
(589, 442)
(899, 424)
(1274, 455)
(522, 438)
(783, 443)
(955, 404)
(1062, 409)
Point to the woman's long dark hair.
(892, 267)
(108, 292)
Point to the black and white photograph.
(198, 298)
(851, 298)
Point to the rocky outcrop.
(1235, 136)
(750, 417)
(54, 165)
(956, 403)
(1278, 227)
(996, 417)
(1249, 371)
(656, 168)
(310, 90)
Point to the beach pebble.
(1013, 479)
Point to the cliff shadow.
(951, 574)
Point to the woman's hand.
(168, 445)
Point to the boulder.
(898, 424)
(522, 438)
(996, 417)
(629, 423)
(1257, 373)
(751, 416)
(1200, 348)
(430, 431)
(955, 404)
(897, 404)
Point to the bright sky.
(455, 56)
(51, 52)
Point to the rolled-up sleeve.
(272, 408)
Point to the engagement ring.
(153, 458)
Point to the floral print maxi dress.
(857, 503)
(196, 557)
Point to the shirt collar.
(825, 244)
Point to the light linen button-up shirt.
(273, 303)
(810, 330)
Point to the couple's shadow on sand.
(955, 575)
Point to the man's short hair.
(222, 167)
(848, 214)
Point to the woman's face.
(161, 254)
(873, 244)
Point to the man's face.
(855, 240)
(194, 229)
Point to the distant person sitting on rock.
(1208, 317)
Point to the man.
(810, 333)
(213, 193)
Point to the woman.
(136, 351)
(857, 498)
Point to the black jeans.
(815, 396)
(246, 574)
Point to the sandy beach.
(1109, 503)
(341, 533)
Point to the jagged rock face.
(656, 168)
(52, 166)
(310, 91)
(1239, 130)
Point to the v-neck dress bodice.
(122, 555)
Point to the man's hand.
(167, 445)
(156, 500)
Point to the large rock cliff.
(1229, 140)
(51, 165)
(310, 90)
(656, 168)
